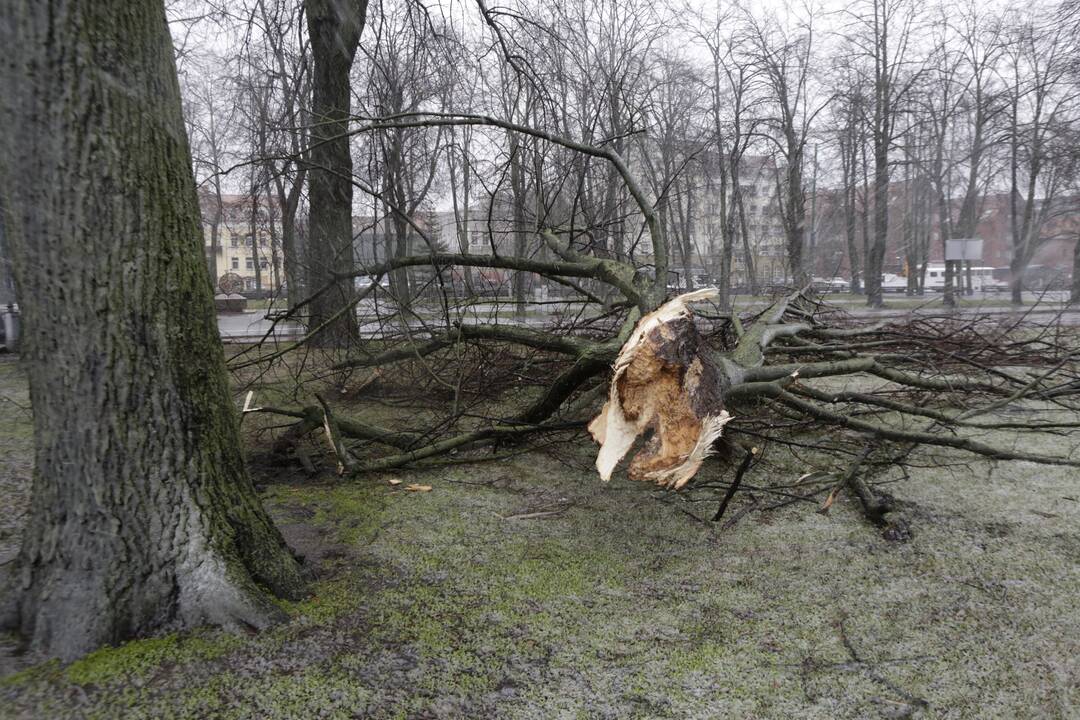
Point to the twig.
(747, 460)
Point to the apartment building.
(242, 238)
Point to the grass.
(449, 604)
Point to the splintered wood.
(665, 383)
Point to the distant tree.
(786, 63)
(284, 63)
(881, 35)
(143, 515)
(1042, 104)
(848, 130)
(209, 119)
(732, 106)
(673, 153)
(402, 73)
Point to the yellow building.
(248, 240)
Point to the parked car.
(827, 285)
(363, 282)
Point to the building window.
(250, 265)
(236, 263)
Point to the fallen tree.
(768, 379)
(759, 377)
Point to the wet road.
(253, 325)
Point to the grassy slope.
(618, 605)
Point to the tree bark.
(143, 515)
(1074, 290)
(7, 283)
(334, 27)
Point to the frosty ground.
(525, 588)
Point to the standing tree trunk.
(875, 258)
(397, 242)
(256, 259)
(795, 215)
(7, 283)
(1074, 289)
(334, 27)
(849, 165)
(215, 235)
(517, 188)
(143, 515)
(290, 202)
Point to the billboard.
(964, 249)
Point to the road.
(253, 325)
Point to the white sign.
(964, 249)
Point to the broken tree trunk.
(669, 384)
(665, 383)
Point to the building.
(764, 227)
(242, 238)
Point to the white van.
(891, 283)
(982, 278)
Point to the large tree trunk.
(334, 27)
(143, 515)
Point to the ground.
(526, 588)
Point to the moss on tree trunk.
(143, 515)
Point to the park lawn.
(525, 588)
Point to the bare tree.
(882, 32)
(671, 154)
(283, 64)
(402, 74)
(786, 60)
(1041, 109)
(848, 114)
(210, 117)
(732, 110)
